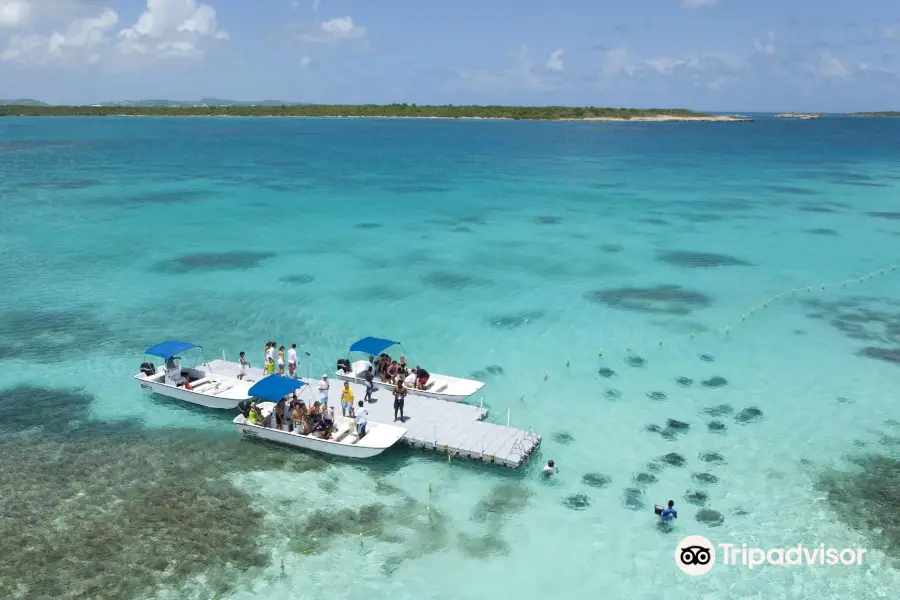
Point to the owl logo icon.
(695, 555)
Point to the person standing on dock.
(323, 391)
(399, 397)
(244, 365)
(281, 360)
(292, 361)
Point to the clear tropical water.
(563, 253)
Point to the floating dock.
(452, 428)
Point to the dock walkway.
(452, 428)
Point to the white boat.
(344, 441)
(441, 387)
(205, 387)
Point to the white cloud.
(304, 61)
(698, 3)
(521, 74)
(167, 29)
(711, 71)
(618, 61)
(84, 40)
(555, 61)
(830, 67)
(14, 13)
(765, 45)
(332, 31)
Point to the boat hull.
(184, 395)
(383, 439)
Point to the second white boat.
(440, 387)
(344, 441)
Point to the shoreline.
(641, 119)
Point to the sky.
(715, 55)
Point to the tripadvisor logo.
(696, 555)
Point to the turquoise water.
(552, 250)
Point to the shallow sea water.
(551, 250)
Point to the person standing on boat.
(323, 391)
(347, 400)
(292, 361)
(281, 360)
(362, 414)
(399, 397)
(279, 414)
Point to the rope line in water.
(750, 312)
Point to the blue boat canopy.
(275, 387)
(169, 349)
(372, 345)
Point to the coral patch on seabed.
(693, 260)
(865, 499)
(660, 300)
(212, 261)
(139, 504)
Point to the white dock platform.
(452, 428)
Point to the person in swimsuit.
(281, 361)
(399, 398)
(299, 418)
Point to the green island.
(530, 113)
(886, 113)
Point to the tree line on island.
(449, 111)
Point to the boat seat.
(200, 383)
(341, 432)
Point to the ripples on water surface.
(497, 249)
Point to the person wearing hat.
(323, 391)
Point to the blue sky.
(728, 55)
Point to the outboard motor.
(148, 369)
(343, 364)
(244, 407)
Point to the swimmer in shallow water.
(550, 469)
